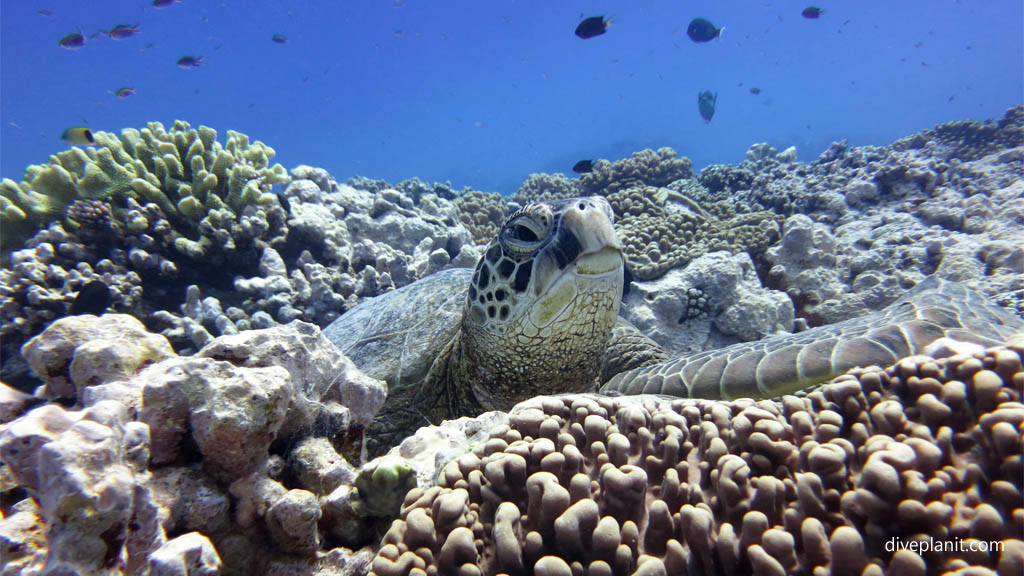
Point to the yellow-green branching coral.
(185, 171)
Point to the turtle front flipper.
(789, 363)
(438, 397)
(628, 349)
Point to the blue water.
(482, 93)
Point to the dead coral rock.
(81, 469)
(231, 414)
(585, 484)
(80, 351)
(190, 554)
(320, 374)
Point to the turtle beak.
(590, 221)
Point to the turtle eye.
(522, 232)
(523, 235)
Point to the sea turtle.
(539, 315)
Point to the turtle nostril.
(582, 206)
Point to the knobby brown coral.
(837, 481)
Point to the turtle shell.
(396, 336)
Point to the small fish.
(78, 136)
(755, 90)
(593, 26)
(812, 12)
(284, 202)
(93, 298)
(122, 31)
(701, 30)
(124, 92)
(706, 104)
(279, 38)
(164, 3)
(72, 41)
(189, 62)
(45, 12)
(583, 166)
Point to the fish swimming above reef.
(593, 26)
(72, 41)
(706, 104)
(279, 39)
(164, 3)
(189, 62)
(122, 31)
(701, 30)
(93, 298)
(755, 90)
(583, 166)
(78, 136)
(124, 92)
(812, 12)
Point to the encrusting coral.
(482, 213)
(663, 229)
(926, 452)
(653, 168)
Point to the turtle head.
(540, 250)
(547, 291)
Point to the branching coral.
(186, 172)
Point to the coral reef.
(256, 268)
(970, 140)
(817, 483)
(546, 187)
(647, 167)
(644, 168)
(240, 459)
(482, 213)
(195, 181)
(662, 229)
(715, 301)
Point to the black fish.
(593, 26)
(93, 298)
(187, 62)
(284, 202)
(583, 166)
(279, 38)
(706, 104)
(701, 30)
(812, 12)
(72, 41)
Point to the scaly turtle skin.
(534, 317)
(788, 363)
